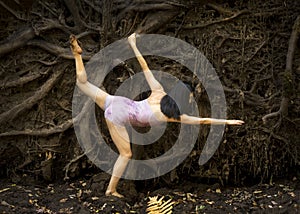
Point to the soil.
(86, 196)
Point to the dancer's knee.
(126, 154)
(82, 78)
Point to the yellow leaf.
(63, 200)
(3, 190)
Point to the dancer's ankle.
(76, 49)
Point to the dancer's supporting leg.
(98, 95)
(121, 139)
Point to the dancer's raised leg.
(98, 95)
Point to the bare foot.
(116, 194)
(76, 49)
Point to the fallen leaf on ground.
(63, 200)
(3, 190)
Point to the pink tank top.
(122, 110)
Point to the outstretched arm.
(153, 83)
(198, 120)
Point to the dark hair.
(169, 107)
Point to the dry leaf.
(63, 200)
(189, 197)
(209, 202)
(156, 206)
(3, 190)
(292, 194)
(274, 202)
(79, 193)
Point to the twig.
(97, 9)
(73, 8)
(256, 51)
(12, 11)
(63, 107)
(133, 24)
(67, 167)
(46, 62)
(220, 9)
(125, 65)
(280, 138)
(217, 21)
(147, 7)
(48, 8)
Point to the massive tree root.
(31, 101)
(287, 76)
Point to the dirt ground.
(87, 196)
(254, 47)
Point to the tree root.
(143, 8)
(283, 110)
(74, 160)
(220, 9)
(94, 7)
(43, 133)
(21, 38)
(71, 4)
(288, 79)
(282, 139)
(22, 80)
(154, 21)
(46, 132)
(31, 101)
(79, 23)
(55, 49)
(12, 12)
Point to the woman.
(118, 111)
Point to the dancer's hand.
(235, 122)
(132, 39)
